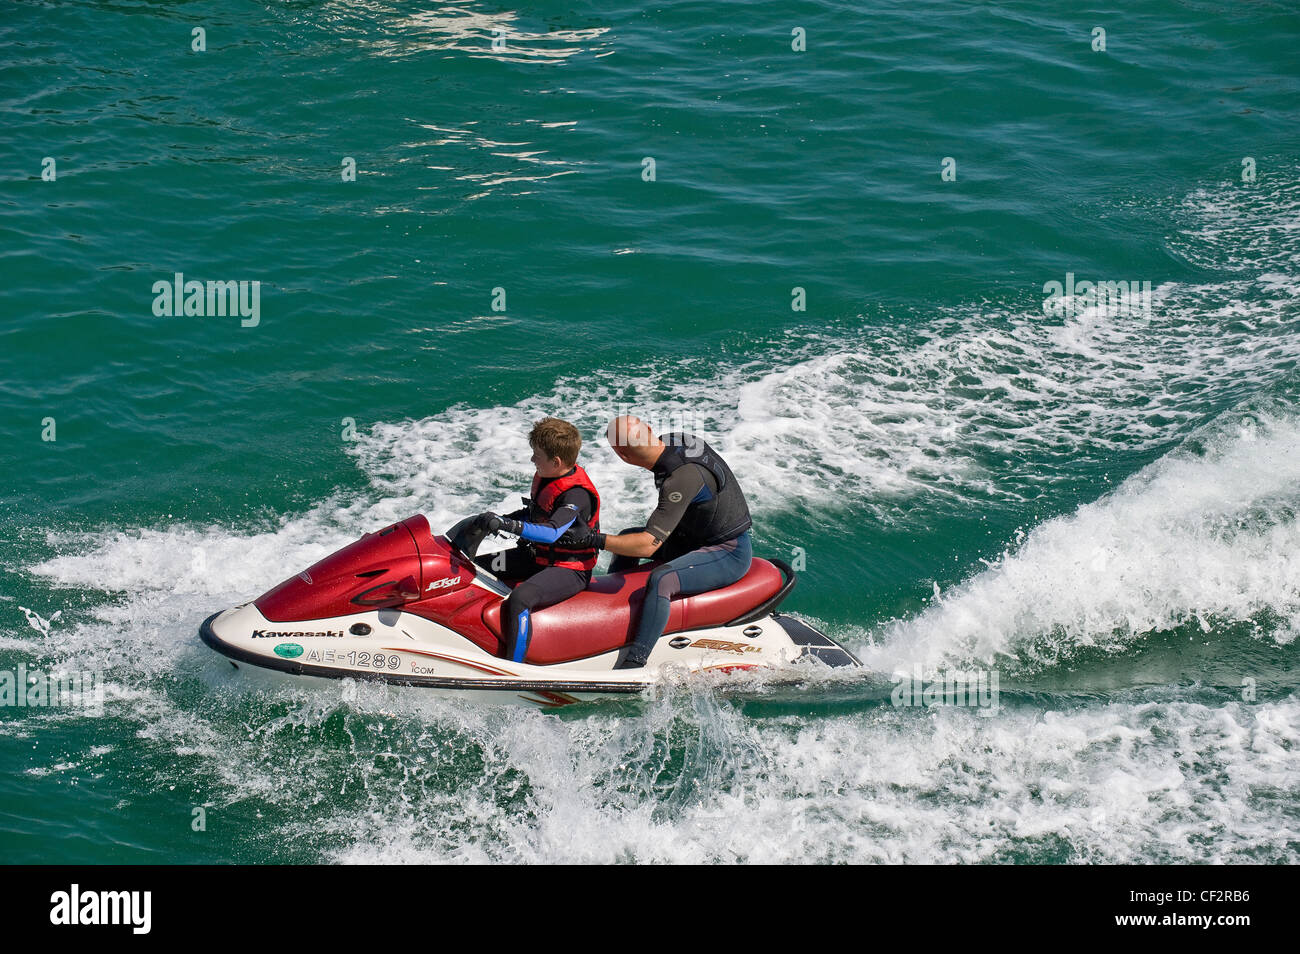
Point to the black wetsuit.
(677, 492)
(702, 526)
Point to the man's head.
(555, 446)
(633, 441)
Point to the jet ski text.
(275, 634)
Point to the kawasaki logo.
(440, 584)
(277, 634)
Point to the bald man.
(700, 526)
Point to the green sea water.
(820, 234)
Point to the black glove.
(487, 523)
(492, 523)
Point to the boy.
(563, 496)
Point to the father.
(700, 526)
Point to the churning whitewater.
(1122, 628)
(326, 272)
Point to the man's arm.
(641, 544)
(677, 493)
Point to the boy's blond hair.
(556, 438)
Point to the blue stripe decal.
(521, 641)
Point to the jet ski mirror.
(467, 535)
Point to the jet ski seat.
(603, 617)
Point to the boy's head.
(555, 446)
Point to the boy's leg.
(544, 588)
(509, 566)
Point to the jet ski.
(408, 607)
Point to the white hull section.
(408, 649)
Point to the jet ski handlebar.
(467, 536)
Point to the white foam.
(870, 424)
(695, 782)
(940, 409)
(1195, 535)
(1244, 226)
(690, 778)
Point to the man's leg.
(699, 571)
(545, 588)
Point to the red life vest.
(543, 505)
